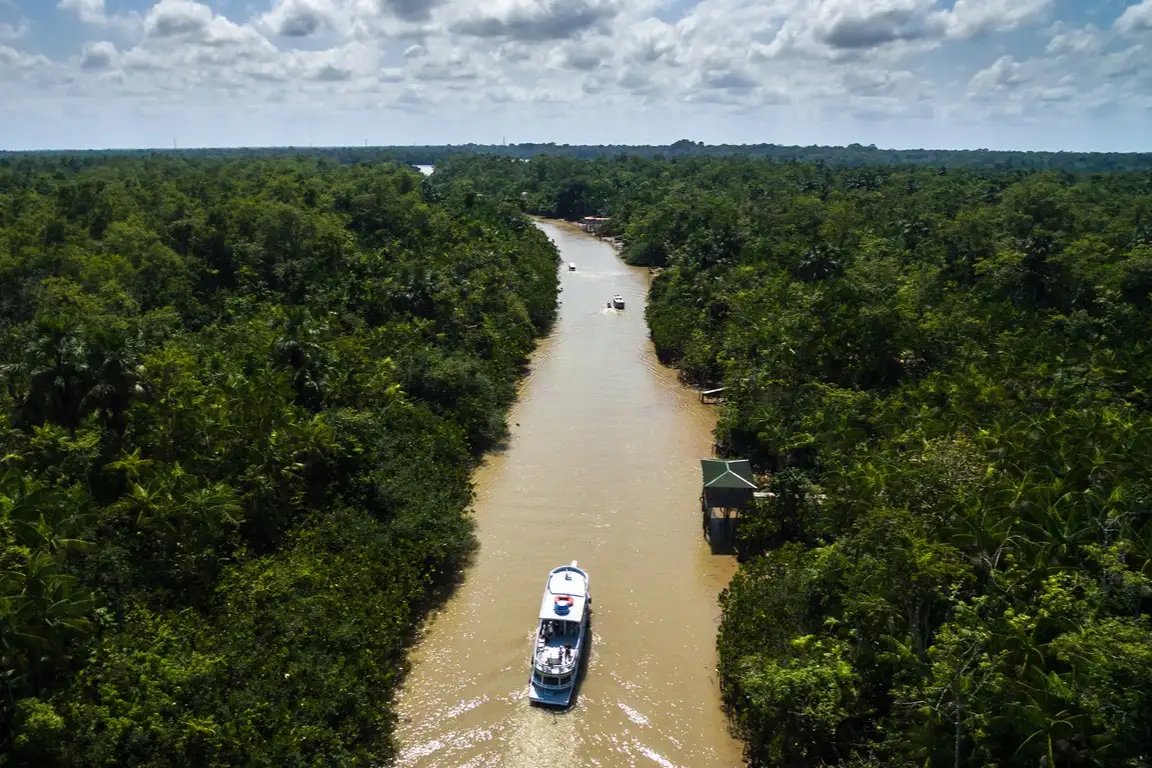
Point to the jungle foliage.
(946, 374)
(241, 400)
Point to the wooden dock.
(712, 395)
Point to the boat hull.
(550, 697)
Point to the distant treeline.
(946, 376)
(852, 155)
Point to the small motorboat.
(571, 266)
(618, 301)
(561, 637)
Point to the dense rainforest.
(944, 375)
(853, 155)
(241, 400)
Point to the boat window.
(551, 681)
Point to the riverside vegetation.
(241, 403)
(946, 373)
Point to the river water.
(602, 467)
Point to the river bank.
(602, 466)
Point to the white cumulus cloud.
(98, 55)
(1136, 19)
(299, 18)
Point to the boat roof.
(565, 580)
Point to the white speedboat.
(571, 266)
(618, 301)
(561, 636)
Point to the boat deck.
(546, 653)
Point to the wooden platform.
(711, 394)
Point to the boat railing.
(564, 661)
(555, 670)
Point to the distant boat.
(618, 301)
(571, 266)
(561, 637)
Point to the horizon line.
(535, 144)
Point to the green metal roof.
(727, 473)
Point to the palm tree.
(112, 360)
(51, 374)
(299, 347)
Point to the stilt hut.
(728, 489)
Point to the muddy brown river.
(603, 468)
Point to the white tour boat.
(560, 638)
(571, 266)
(618, 301)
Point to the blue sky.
(1004, 74)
